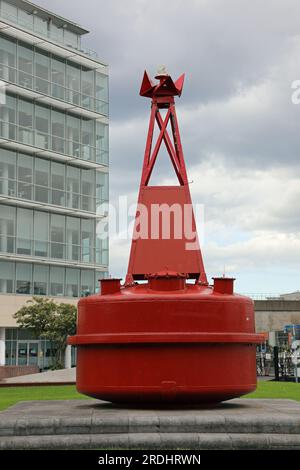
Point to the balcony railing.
(50, 88)
(262, 296)
(47, 33)
(47, 141)
(47, 195)
(53, 250)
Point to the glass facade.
(52, 280)
(32, 178)
(53, 160)
(47, 128)
(39, 234)
(40, 23)
(43, 72)
(22, 348)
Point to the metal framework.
(154, 255)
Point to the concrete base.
(91, 424)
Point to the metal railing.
(47, 33)
(272, 363)
(91, 254)
(262, 296)
(49, 195)
(54, 143)
(53, 89)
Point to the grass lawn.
(268, 389)
(11, 395)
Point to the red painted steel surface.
(169, 345)
(166, 340)
(155, 254)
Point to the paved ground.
(66, 376)
(265, 378)
(74, 424)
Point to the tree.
(51, 320)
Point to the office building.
(53, 169)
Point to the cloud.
(251, 218)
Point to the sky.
(239, 126)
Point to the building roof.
(44, 13)
(291, 295)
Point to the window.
(88, 138)
(25, 334)
(73, 238)
(73, 187)
(101, 250)
(25, 176)
(88, 190)
(10, 352)
(23, 278)
(73, 84)
(57, 276)
(70, 39)
(8, 173)
(87, 282)
(9, 11)
(99, 275)
(42, 174)
(7, 274)
(40, 25)
(58, 184)
(25, 114)
(47, 280)
(25, 65)
(25, 19)
(24, 231)
(73, 136)
(87, 241)
(40, 279)
(41, 233)
(56, 32)
(101, 143)
(58, 78)
(57, 236)
(72, 282)
(8, 118)
(87, 88)
(42, 126)
(101, 188)
(58, 131)
(102, 93)
(8, 55)
(42, 72)
(7, 229)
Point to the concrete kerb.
(165, 425)
(185, 441)
(78, 424)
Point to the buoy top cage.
(154, 255)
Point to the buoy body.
(166, 341)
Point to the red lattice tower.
(152, 255)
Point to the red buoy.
(166, 339)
